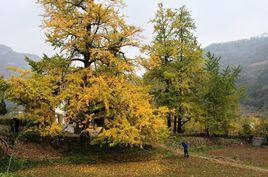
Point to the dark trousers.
(186, 154)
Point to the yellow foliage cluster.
(125, 106)
(52, 130)
(90, 31)
(35, 93)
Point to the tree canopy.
(222, 97)
(92, 32)
(175, 64)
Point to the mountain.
(252, 55)
(9, 57)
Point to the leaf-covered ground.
(256, 156)
(170, 166)
(230, 150)
(127, 162)
(207, 159)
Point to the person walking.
(185, 148)
(14, 124)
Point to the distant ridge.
(242, 52)
(8, 57)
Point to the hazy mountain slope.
(242, 52)
(252, 55)
(8, 57)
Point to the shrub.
(53, 130)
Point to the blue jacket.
(185, 146)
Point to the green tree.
(175, 65)
(222, 98)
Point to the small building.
(258, 141)
(62, 119)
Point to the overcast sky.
(216, 20)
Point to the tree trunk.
(169, 121)
(179, 129)
(86, 64)
(175, 124)
(180, 124)
(207, 132)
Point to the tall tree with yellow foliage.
(175, 65)
(94, 33)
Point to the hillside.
(9, 57)
(252, 55)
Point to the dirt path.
(219, 161)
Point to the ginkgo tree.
(175, 65)
(105, 88)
